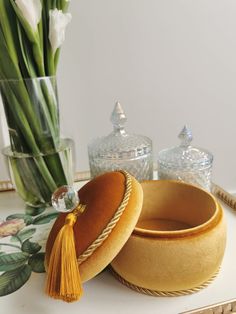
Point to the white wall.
(169, 62)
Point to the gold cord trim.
(79, 210)
(155, 293)
(108, 229)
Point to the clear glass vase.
(40, 161)
(36, 177)
(32, 113)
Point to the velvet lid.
(113, 205)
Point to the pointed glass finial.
(185, 136)
(65, 199)
(118, 118)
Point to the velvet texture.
(174, 260)
(102, 197)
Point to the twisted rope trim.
(155, 293)
(108, 229)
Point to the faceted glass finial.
(118, 117)
(186, 136)
(65, 199)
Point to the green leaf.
(11, 281)
(16, 108)
(8, 67)
(30, 247)
(45, 218)
(33, 36)
(12, 261)
(8, 25)
(34, 211)
(27, 219)
(26, 53)
(22, 235)
(37, 262)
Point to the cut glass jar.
(121, 151)
(186, 163)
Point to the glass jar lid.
(119, 144)
(185, 155)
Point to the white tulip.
(57, 26)
(31, 10)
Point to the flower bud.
(31, 11)
(57, 25)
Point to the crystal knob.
(65, 199)
(118, 118)
(185, 136)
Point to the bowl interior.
(173, 206)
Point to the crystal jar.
(186, 163)
(121, 151)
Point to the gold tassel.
(63, 277)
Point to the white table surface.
(104, 294)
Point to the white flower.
(57, 25)
(31, 11)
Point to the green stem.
(50, 69)
(54, 4)
(17, 88)
(39, 59)
(21, 119)
(64, 5)
(6, 24)
(18, 99)
(31, 175)
(56, 58)
(49, 90)
(46, 173)
(56, 168)
(27, 190)
(40, 29)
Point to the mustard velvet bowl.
(179, 241)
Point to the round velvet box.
(113, 204)
(178, 243)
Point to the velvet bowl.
(179, 240)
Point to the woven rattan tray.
(219, 308)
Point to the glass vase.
(40, 161)
(36, 177)
(32, 114)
